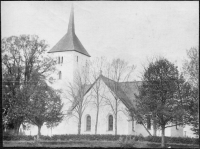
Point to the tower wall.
(73, 62)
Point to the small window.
(148, 121)
(110, 123)
(88, 123)
(62, 60)
(133, 125)
(60, 75)
(77, 59)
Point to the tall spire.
(70, 42)
(71, 27)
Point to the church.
(71, 57)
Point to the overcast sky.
(133, 31)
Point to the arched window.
(88, 123)
(62, 60)
(60, 75)
(110, 122)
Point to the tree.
(118, 70)
(23, 63)
(45, 106)
(159, 95)
(191, 67)
(75, 95)
(96, 68)
(191, 73)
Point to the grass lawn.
(86, 143)
(61, 144)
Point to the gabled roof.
(125, 91)
(131, 89)
(70, 42)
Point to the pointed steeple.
(70, 41)
(71, 27)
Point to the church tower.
(70, 54)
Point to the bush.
(173, 140)
(17, 137)
(120, 138)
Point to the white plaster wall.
(187, 132)
(103, 117)
(138, 129)
(68, 69)
(177, 132)
(169, 131)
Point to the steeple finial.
(71, 21)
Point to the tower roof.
(70, 42)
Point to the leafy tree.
(159, 95)
(191, 67)
(191, 73)
(44, 106)
(23, 64)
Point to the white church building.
(72, 57)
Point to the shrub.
(120, 138)
(17, 137)
(173, 140)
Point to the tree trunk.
(51, 131)
(116, 124)
(39, 133)
(163, 137)
(79, 126)
(154, 128)
(16, 130)
(17, 124)
(97, 116)
(116, 117)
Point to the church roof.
(70, 42)
(125, 91)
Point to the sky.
(135, 31)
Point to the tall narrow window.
(62, 60)
(77, 58)
(148, 121)
(60, 75)
(110, 123)
(133, 125)
(88, 123)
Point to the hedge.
(7, 137)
